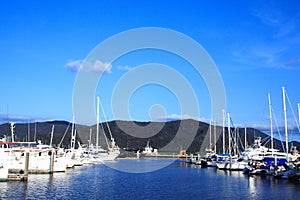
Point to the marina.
(199, 100)
(178, 180)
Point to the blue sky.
(255, 45)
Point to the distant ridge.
(165, 135)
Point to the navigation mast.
(285, 124)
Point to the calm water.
(177, 181)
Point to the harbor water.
(176, 181)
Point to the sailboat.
(209, 158)
(113, 151)
(291, 168)
(272, 161)
(231, 161)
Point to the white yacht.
(148, 150)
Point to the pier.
(166, 155)
(18, 175)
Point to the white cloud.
(270, 18)
(124, 68)
(295, 61)
(260, 56)
(20, 119)
(282, 27)
(74, 65)
(277, 45)
(97, 66)
(13, 118)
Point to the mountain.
(165, 136)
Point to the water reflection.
(252, 187)
(139, 166)
(183, 164)
(178, 181)
(236, 174)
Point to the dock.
(22, 175)
(17, 177)
(154, 155)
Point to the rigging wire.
(106, 120)
(64, 136)
(294, 116)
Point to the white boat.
(209, 159)
(42, 158)
(3, 172)
(100, 155)
(272, 161)
(148, 150)
(191, 159)
(105, 157)
(3, 169)
(223, 161)
(256, 152)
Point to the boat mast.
(229, 137)
(271, 123)
(34, 137)
(90, 139)
(210, 134)
(28, 130)
(73, 135)
(215, 135)
(245, 137)
(97, 132)
(51, 138)
(223, 112)
(285, 124)
(298, 113)
(235, 150)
